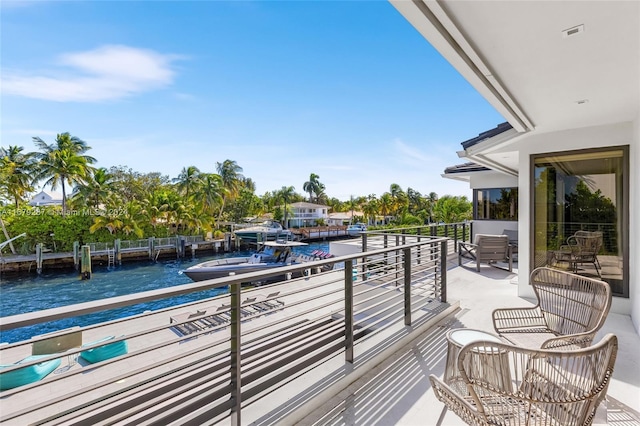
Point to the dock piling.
(76, 255)
(85, 271)
(227, 242)
(39, 258)
(118, 253)
(151, 247)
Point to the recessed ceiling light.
(573, 31)
(582, 101)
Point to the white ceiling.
(514, 53)
(522, 44)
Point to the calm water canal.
(50, 290)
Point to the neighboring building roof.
(305, 205)
(500, 128)
(344, 215)
(466, 168)
(46, 198)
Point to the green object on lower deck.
(102, 353)
(29, 374)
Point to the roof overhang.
(430, 19)
(525, 60)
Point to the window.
(580, 197)
(496, 204)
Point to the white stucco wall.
(567, 140)
(492, 179)
(493, 226)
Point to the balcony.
(353, 345)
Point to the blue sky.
(348, 90)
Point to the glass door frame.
(624, 205)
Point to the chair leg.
(510, 253)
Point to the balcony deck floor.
(398, 391)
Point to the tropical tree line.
(120, 202)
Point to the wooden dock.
(107, 257)
(320, 233)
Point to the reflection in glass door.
(580, 214)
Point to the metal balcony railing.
(208, 361)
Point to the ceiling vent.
(573, 31)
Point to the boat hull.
(232, 266)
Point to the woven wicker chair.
(545, 387)
(570, 310)
(582, 247)
(487, 249)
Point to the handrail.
(320, 318)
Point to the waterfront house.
(46, 198)
(344, 218)
(564, 75)
(307, 214)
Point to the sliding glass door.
(580, 214)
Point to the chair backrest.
(571, 303)
(588, 242)
(512, 234)
(512, 385)
(491, 247)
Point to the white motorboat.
(356, 229)
(266, 231)
(273, 254)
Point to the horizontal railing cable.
(300, 326)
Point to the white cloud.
(411, 155)
(106, 73)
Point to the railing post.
(455, 237)
(407, 286)
(236, 373)
(364, 259)
(443, 271)
(464, 232)
(348, 311)
(385, 244)
(396, 260)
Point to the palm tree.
(155, 206)
(399, 198)
(313, 186)
(188, 181)
(95, 190)
(62, 162)
(16, 169)
(211, 191)
(432, 199)
(286, 194)
(452, 209)
(231, 175)
(385, 204)
(249, 184)
(370, 208)
(351, 205)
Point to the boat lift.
(6, 243)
